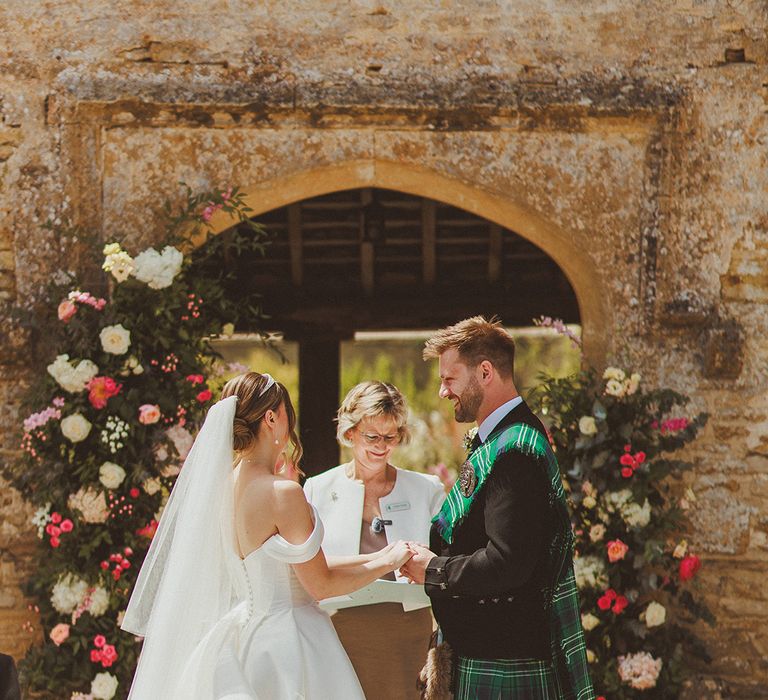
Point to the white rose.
(151, 486)
(589, 621)
(99, 602)
(655, 614)
(117, 261)
(115, 339)
(68, 593)
(597, 532)
(614, 388)
(158, 269)
(69, 378)
(590, 572)
(587, 425)
(91, 504)
(614, 373)
(111, 475)
(75, 427)
(635, 515)
(633, 383)
(104, 686)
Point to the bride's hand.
(397, 554)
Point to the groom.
(499, 569)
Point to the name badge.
(395, 507)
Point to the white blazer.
(413, 501)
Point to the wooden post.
(319, 364)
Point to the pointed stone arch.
(499, 208)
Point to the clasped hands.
(411, 558)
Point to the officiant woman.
(366, 504)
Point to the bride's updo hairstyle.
(253, 401)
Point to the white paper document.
(410, 595)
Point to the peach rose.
(617, 550)
(149, 413)
(66, 310)
(59, 634)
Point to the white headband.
(268, 385)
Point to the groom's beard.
(468, 405)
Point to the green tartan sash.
(559, 592)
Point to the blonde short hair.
(371, 400)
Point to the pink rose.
(99, 641)
(66, 310)
(617, 550)
(101, 390)
(59, 634)
(149, 413)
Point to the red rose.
(604, 602)
(134, 492)
(66, 525)
(104, 565)
(55, 542)
(195, 379)
(612, 595)
(626, 460)
(204, 396)
(627, 448)
(640, 457)
(55, 518)
(95, 656)
(619, 605)
(689, 566)
(627, 472)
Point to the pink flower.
(619, 604)
(66, 525)
(95, 656)
(195, 379)
(67, 309)
(149, 530)
(689, 567)
(149, 413)
(617, 550)
(59, 634)
(99, 641)
(101, 389)
(55, 542)
(55, 518)
(204, 396)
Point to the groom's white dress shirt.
(487, 426)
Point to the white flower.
(75, 427)
(590, 572)
(41, 518)
(639, 670)
(117, 261)
(131, 366)
(158, 269)
(68, 593)
(614, 388)
(597, 532)
(91, 504)
(81, 696)
(589, 621)
(635, 515)
(587, 425)
(99, 601)
(120, 617)
(151, 486)
(182, 440)
(589, 502)
(115, 339)
(614, 373)
(104, 686)
(111, 475)
(655, 614)
(70, 378)
(633, 383)
(615, 500)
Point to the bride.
(226, 597)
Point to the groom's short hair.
(476, 339)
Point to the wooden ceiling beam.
(428, 239)
(295, 243)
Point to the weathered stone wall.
(627, 139)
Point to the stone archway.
(496, 207)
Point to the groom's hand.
(416, 567)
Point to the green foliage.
(617, 444)
(172, 305)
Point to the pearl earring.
(277, 442)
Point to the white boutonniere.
(469, 436)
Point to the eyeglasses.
(375, 438)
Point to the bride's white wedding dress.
(277, 644)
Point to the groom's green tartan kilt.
(502, 679)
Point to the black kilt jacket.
(486, 586)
